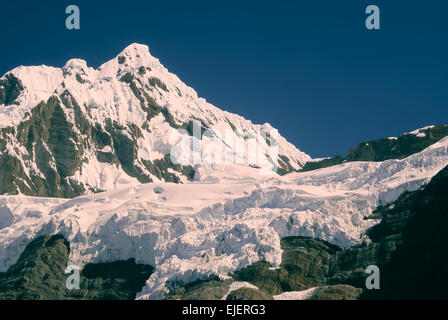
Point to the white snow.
(296, 295)
(218, 223)
(238, 285)
(231, 215)
(102, 96)
(318, 159)
(419, 132)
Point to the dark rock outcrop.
(39, 275)
(408, 246)
(10, 89)
(249, 294)
(336, 292)
(385, 149)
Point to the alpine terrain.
(124, 173)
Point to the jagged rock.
(249, 294)
(39, 275)
(10, 89)
(200, 290)
(397, 148)
(418, 268)
(336, 292)
(76, 130)
(408, 246)
(385, 149)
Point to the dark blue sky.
(310, 68)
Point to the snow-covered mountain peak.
(121, 124)
(137, 51)
(138, 54)
(110, 139)
(75, 64)
(133, 58)
(229, 218)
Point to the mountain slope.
(408, 246)
(385, 149)
(230, 218)
(129, 128)
(70, 131)
(419, 221)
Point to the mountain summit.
(74, 130)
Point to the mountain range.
(125, 173)
(65, 132)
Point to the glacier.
(229, 217)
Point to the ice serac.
(74, 131)
(227, 219)
(87, 130)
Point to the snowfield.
(104, 97)
(229, 217)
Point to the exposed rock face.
(387, 148)
(70, 131)
(10, 89)
(39, 271)
(248, 294)
(419, 222)
(397, 148)
(336, 292)
(408, 247)
(50, 149)
(213, 289)
(229, 219)
(76, 130)
(39, 275)
(309, 263)
(305, 264)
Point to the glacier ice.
(229, 217)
